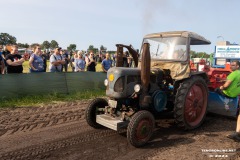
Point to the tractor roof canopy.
(195, 38)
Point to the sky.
(111, 22)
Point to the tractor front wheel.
(140, 128)
(94, 108)
(191, 103)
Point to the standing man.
(65, 57)
(14, 61)
(44, 57)
(231, 88)
(56, 61)
(106, 63)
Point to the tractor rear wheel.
(140, 128)
(94, 108)
(191, 103)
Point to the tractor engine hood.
(121, 81)
(124, 71)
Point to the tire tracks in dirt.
(37, 150)
(60, 132)
(34, 132)
(28, 119)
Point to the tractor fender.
(201, 74)
(194, 74)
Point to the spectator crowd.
(59, 60)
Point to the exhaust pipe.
(119, 60)
(145, 98)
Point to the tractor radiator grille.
(119, 85)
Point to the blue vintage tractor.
(163, 80)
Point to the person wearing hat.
(56, 61)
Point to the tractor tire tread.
(91, 108)
(181, 94)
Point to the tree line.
(195, 54)
(6, 38)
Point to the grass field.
(26, 67)
(36, 100)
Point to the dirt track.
(60, 132)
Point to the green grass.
(26, 67)
(39, 100)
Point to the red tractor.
(216, 103)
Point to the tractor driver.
(231, 89)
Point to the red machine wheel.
(191, 103)
(94, 108)
(140, 128)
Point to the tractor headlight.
(137, 88)
(106, 82)
(111, 77)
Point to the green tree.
(102, 48)
(91, 48)
(72, 47)
(203, 55)
(33, 45)
(6, 38)
(45, 45)
(26, 45)
(193, 54)
(112, 52)
(207, 55)
(22, 45)
(53, 44)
